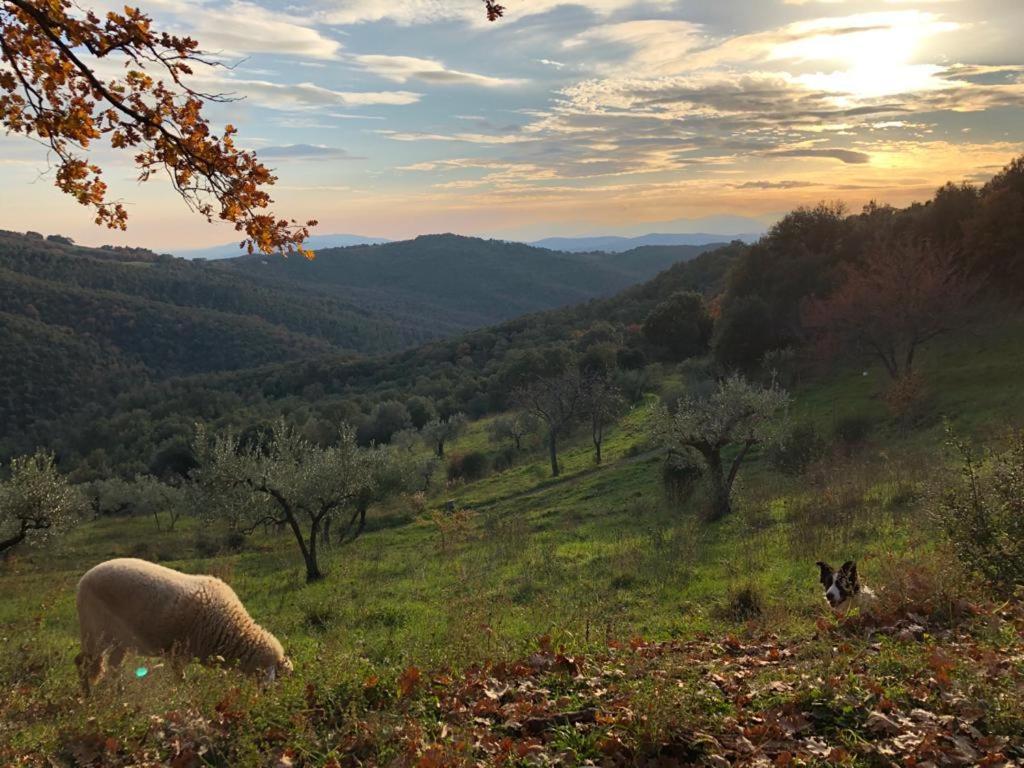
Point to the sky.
(405, 117)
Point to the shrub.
(234, 541)
(206, 546)
(470, 466)
(634, 384)
(983, 514)
(852, 430)
(797, 449)
(504, 459)
(906, 398)
(743, 604)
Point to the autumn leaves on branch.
(51, 91)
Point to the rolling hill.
(618, 244)
(462, 282)
(80, 326)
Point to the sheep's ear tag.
(270, 675)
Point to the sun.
(870, 55)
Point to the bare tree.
(556, 401)
(286, 480)
(899, 298)
(37, 502)
(738, 414)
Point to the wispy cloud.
(401, 69)
(307, 152)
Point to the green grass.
(595, 556)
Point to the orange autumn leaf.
(408, 680)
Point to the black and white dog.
(843, 588)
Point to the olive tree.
(556, 401)
(737, 415)
(603, 404)
(284, 480)
(37, 502)
(512, 427)
(438, 432)
(389, 471)
(145, 495)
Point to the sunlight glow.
(873, 53)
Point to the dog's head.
(839, 585)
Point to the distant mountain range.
(617, 244)
(316, 242)
(603, 243)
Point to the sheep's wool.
(133, 605)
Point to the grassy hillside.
(594, 562)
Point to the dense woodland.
(94, 322)
(760, 299)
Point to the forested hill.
(80, 325)
(139, 418)
(466, 282)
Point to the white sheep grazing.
(133, 605)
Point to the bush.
(796, 450)
(743, 604)
(470, 466)
(852, 430)
(983, 515)
(504, 459)
(907, 399)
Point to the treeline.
(813, 252)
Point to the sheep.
(127, 604)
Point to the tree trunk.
(13, 541)
(721, 504)
(440, 449)
(598, 435)
(313, 572)
(553, 448)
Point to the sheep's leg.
(116, 657)
(114, 660)
(90, 669)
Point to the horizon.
(619, 118)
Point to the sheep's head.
(270, 662)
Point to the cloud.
(287, 96)
(239, 27)
(843, 155)
(776, 184)
(401, 69)
(471, 138)
(413, 12)
(307, 152)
